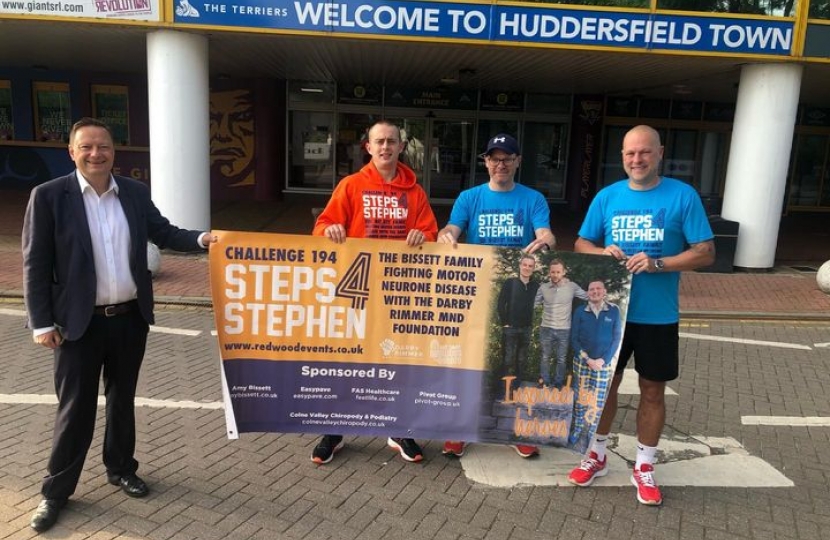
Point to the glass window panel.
(415, 153)
(543, 158)
(495, 100)
(358, 94)
(626, 106)
(6, 116)
(350, 150)
(679, 155)
(300, 92)
(714, 151)
(719, 112)
(549, 103)
(611, 168)
(311, 154)
(655, 108)
(808, 173)
(452, 148)
(686, 110)
(817, 40)
(815, 116)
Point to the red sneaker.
(647, 490)
(589, 469)
(453, 448)
(526, 451)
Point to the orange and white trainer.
(453, 448)
(526, 450)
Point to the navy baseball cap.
(503, 142)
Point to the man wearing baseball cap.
(500, 213)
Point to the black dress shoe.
(46, 514)
(130, 484)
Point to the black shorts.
(655, 349)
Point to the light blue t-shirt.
(659, 222)
(500, 218)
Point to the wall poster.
(6, 117)
(111, 104)
(53, 116)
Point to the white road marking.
(175, 331)
(808, 421)
(746, 341)
(156, 329)
(693, 461)
(175, 404)
(45, 399)
(822, 345)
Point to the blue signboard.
(497, 23)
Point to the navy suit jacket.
(59, 281)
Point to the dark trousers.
(516, 344)
(116, 346)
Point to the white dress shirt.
(110, 234)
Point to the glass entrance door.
(352, 155)
(450, 151)
(414, 134)
(543, 158)
(439, 151)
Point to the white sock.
(645, 454)
(598, 446)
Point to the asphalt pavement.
(744, 453)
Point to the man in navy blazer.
(89, 298)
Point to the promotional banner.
(138, 10)
(510, 24)
(373, 337)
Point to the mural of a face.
(232, 137)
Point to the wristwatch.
(659, 265)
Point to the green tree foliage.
(820, 9)
(781, 8)
(609, 3)
(778, 8)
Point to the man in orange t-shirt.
(381, 200)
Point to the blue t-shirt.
(659, 222)
(500, 218)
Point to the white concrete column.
(759, 158)
(178, 87)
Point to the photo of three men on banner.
(377, 338)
